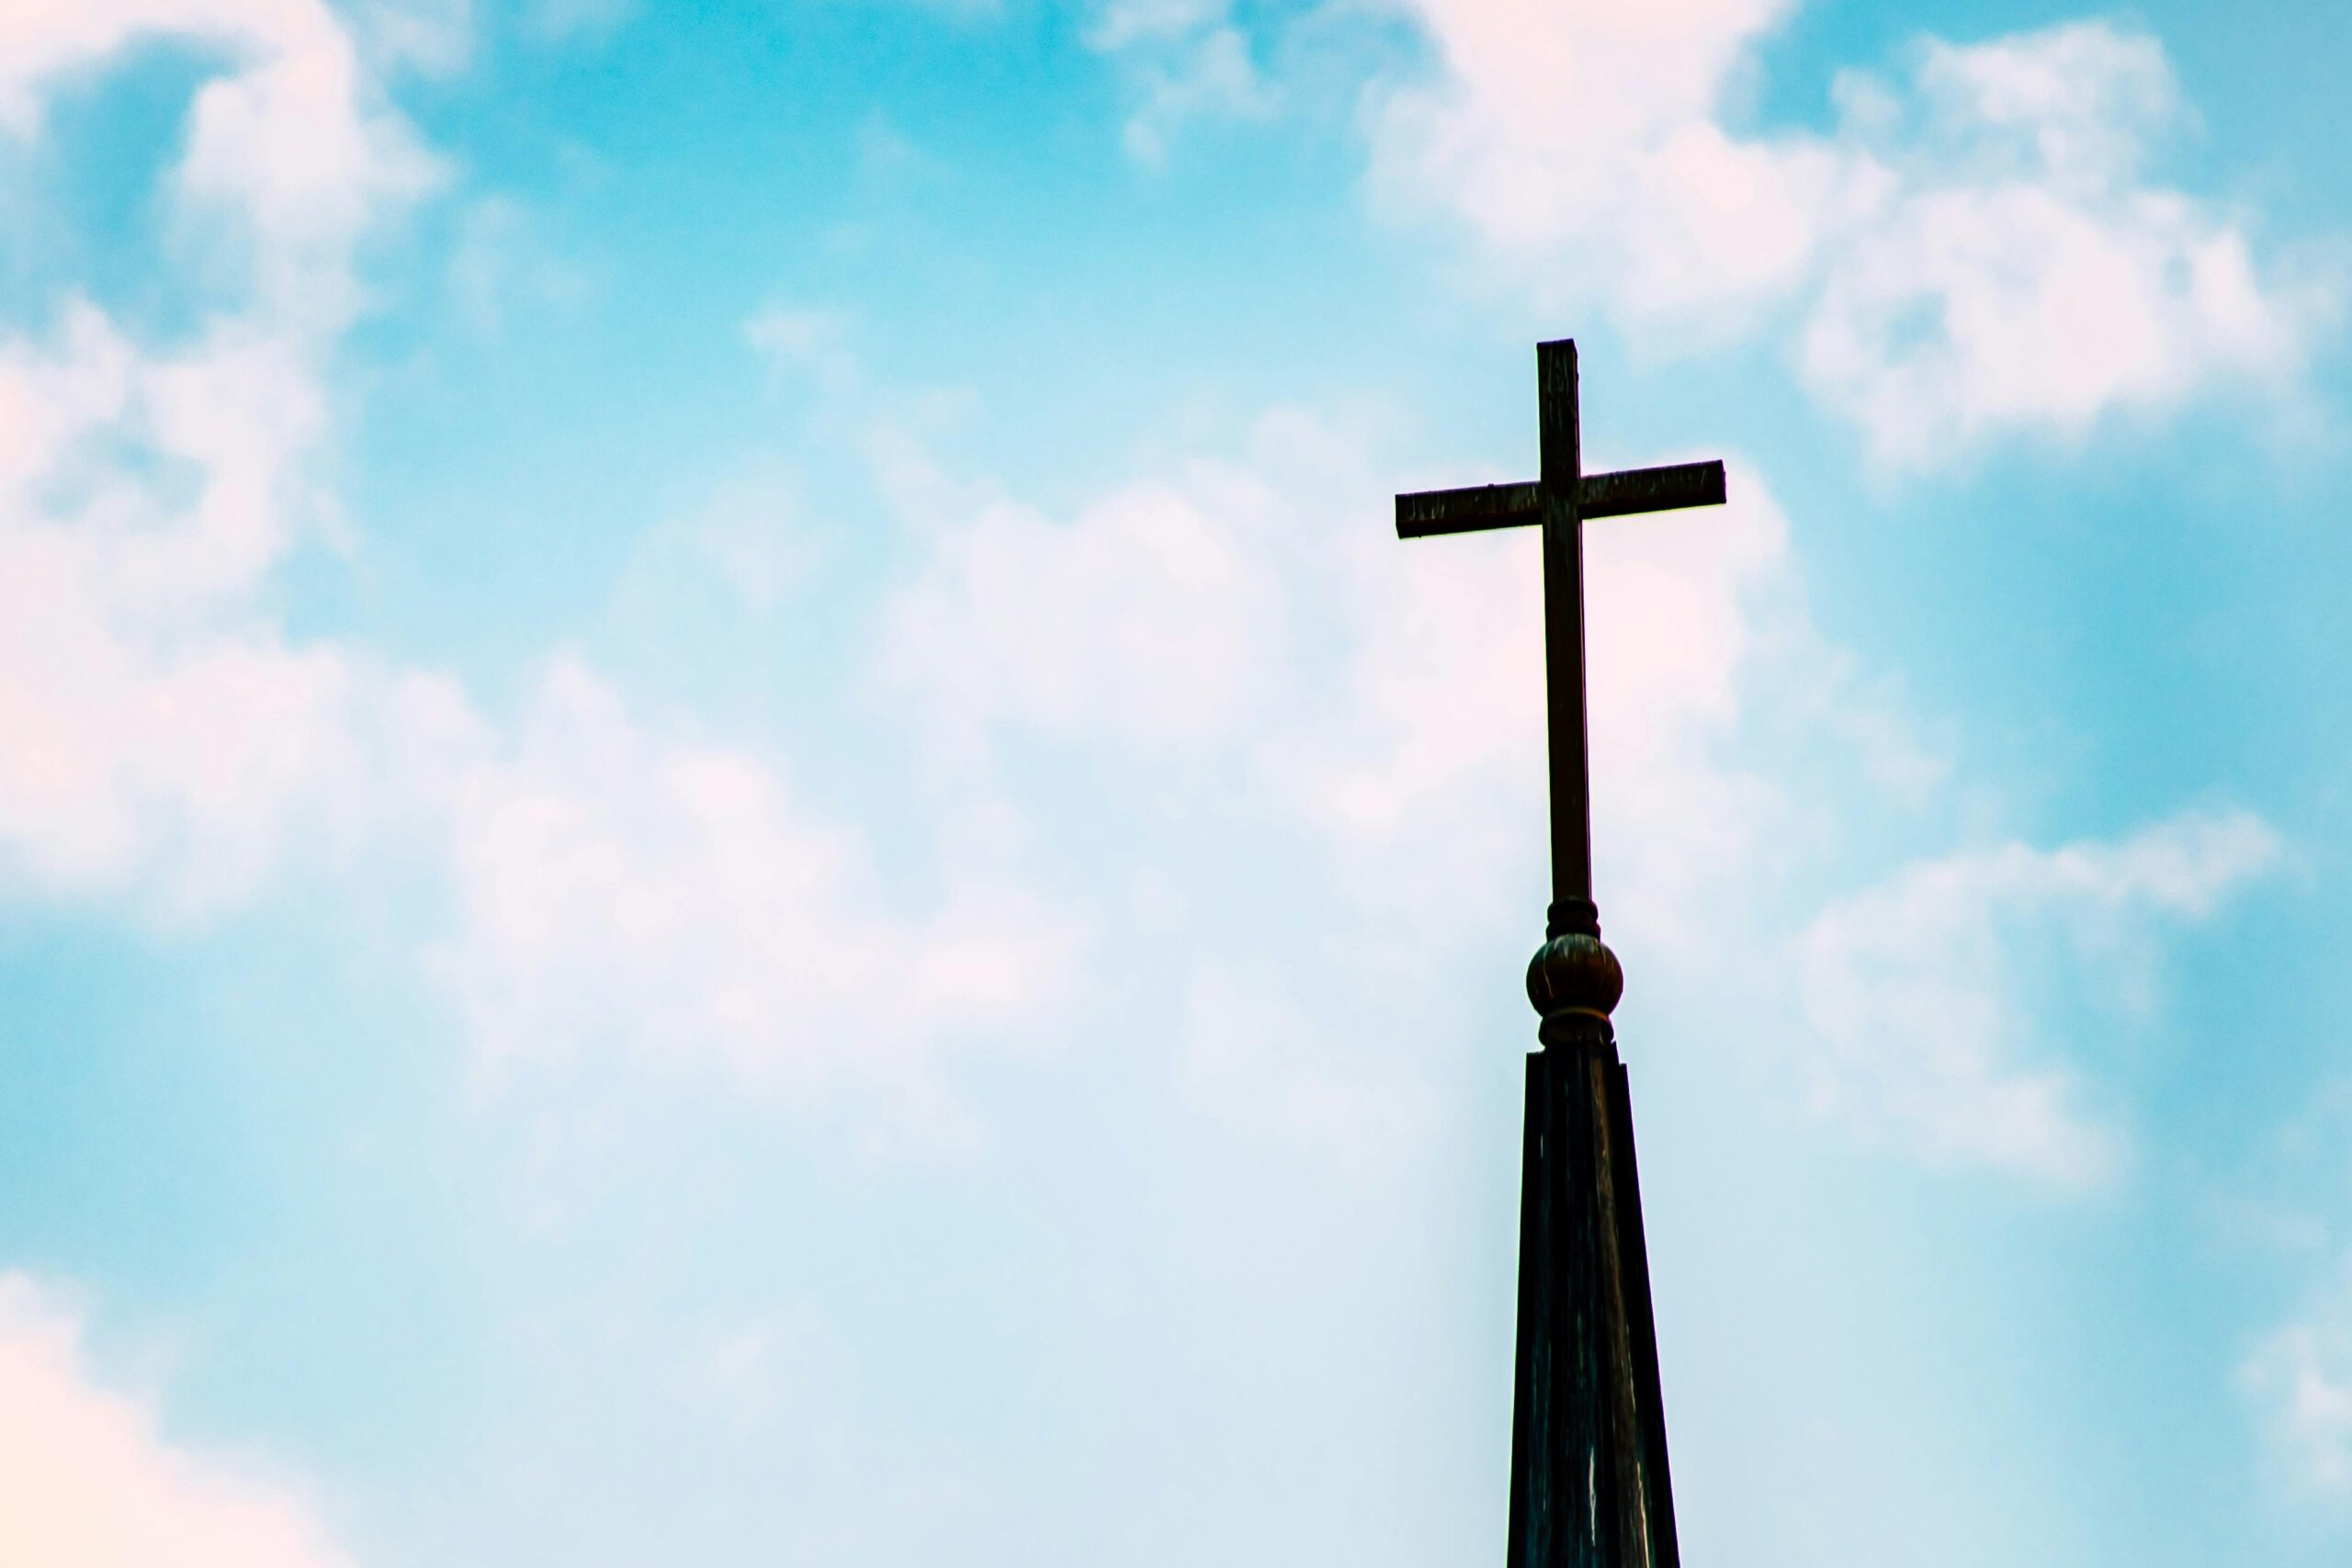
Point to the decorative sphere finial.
(1574, 972)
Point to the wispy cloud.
(1921, 995)
(617, 889)
(1150, 616)
(1185, 62)
(2299, 1381)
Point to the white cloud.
(502, 260)
(618, 889)
(286, 146)
(811, 339)
(432, 37)
(169, 738)
(1185, 61)
(171, 746)
(164, 734)
(750, 533)
(1975, 309)
(291, 147)
(2080, 103)
(1121, 23)
(1581, 140)
(1149, 617)
(2299, 1377)
(1921, 992)
(86, 1481)
(1975, 251)
(2021, 272)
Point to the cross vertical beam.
(1588, 1486)
(1561, 473)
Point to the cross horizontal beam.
(1629, 490)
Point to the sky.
(729, 833)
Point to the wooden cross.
(1589, 1486)
(1561, 499)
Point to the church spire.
(1588, 1485)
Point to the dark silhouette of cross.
(1589, 1485)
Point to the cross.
(1589, 1486)
(1561, 499)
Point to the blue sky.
(729, 835)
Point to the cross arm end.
(1480, 507)
(1652, 489)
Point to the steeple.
(1589, 1482)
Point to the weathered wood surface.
(1425, 513)
(1589, 1487)
(1561, 451)
(1669, 489)
(1641, 1325)
(1428, 513)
